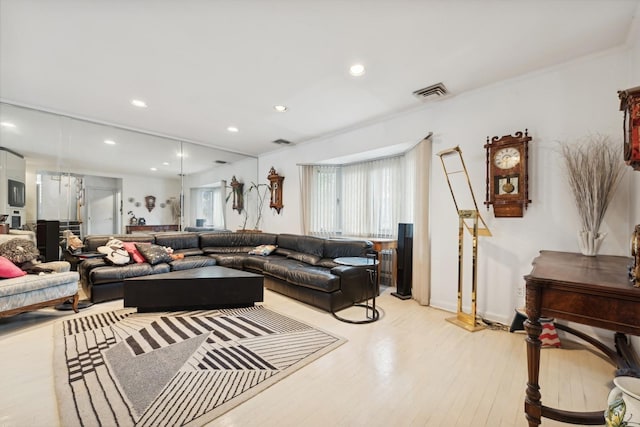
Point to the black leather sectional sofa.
(301, 267)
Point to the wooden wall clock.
(508, 174)
(630, 104)
(275, 184)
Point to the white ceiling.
(202, 66)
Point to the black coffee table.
(198, 288)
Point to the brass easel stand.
(469, 219)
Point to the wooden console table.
(592, 291)
(153, 228)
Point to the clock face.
(506, 158)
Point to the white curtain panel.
(420, 157)
(369, 199)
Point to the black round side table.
(371, 264)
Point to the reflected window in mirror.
(208, 205)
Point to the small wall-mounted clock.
(275, 184)
(630, 104)
(508, 175)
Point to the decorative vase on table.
(623, 403)
(590, 241)
(594, 169)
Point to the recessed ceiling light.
(280, 108)
(356, 70)
(109, 142)
(154, 169)
(165, 163)
(233, 129)
(138, 103)
(7, 125)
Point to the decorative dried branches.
(594, 170)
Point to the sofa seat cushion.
(189, 252)
(36, 282)
(188, 263)
(306, 258)
(36, 289)
(302, 274)
(231, 260)
(118, 273)
(257, 262)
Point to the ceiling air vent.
(437, 89)
(221, 162)
(282, 142)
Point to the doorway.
(101, 210)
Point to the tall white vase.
(623, 403)
(590, 242)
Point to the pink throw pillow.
(9, 270)
(133, 251)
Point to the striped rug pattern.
(175, 368)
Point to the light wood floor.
(411, 368)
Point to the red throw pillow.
(9, 270)
(133, 251)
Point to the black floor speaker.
(405, 261)
(48, 237)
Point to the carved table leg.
(74, 305)
(532, 401)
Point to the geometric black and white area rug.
(175, 368)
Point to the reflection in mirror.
(103, 177)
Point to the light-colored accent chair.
(32, 292)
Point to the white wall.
(140, 187)
(564, 102)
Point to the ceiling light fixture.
(233, 129)
(154, 169)
(356, 70)
(280, 108)
(109, 142)
(7, 125)
(138, 103)
(165, 163)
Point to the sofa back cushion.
(303, 244)
(178, 240)
(239, 240)
(336, 248)
(93, 242)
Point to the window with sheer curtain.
(366, 199)
(208, 205)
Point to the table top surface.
(356, 261)
(202, 273)
(567, 268)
